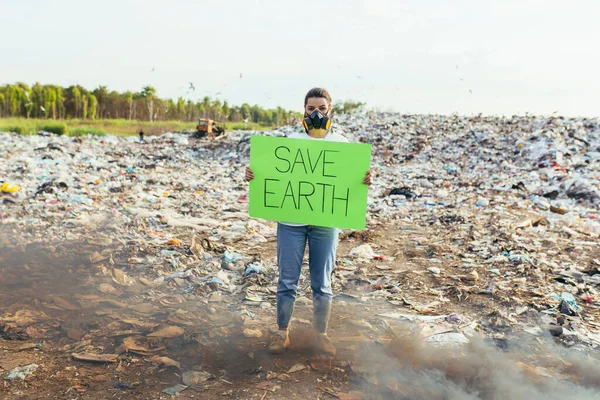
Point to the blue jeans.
(291, 244)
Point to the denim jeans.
(291, 244)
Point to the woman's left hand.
(368, 180)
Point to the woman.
(322, 242)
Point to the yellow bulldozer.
(208, 128)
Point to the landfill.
(132, 269)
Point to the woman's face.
(317, 104)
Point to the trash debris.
(568, 304)
(296, 368)
(434, 270)
(21, 373)
(12, 334)
(165, 362)
(482, 218)
(231, 257)
(321, 363)
(253, 269)
(6, 187)
(167, 332)
(363, 252)
(195, 377)
(173, 390)
(99, 358)
(447, 339)
(482, 202)
(267, 385)
(456, 319)
(252, 333)
(122, 385)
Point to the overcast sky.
(427, 56)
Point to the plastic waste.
(253, 269)
(6, 187)
(364, 252)
(20, 373)
(230, 257)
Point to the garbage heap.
(501, 209)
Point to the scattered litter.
(195, 377)
(99, 358)
(434, 270)
(447, 339)
(122, 385)
(252, 333)
(167, 332)
(253, 269)
(20, 373)
(363, 252)
(511, 200)
(296, 368)
(173, 390)
(165, 361)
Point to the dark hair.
(318, 92)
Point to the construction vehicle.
(208, 128)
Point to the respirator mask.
(316, 124)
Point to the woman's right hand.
(249, 174)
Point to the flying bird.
(240, 75)
(192, 88)
(152, 69)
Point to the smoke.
(408, 368)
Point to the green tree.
(77, 101)
(84, 107)
(190, 111)
(225, 110)
(101, 93)
(216, 109)
(93, 106)
(149, 93)
(128, 97)
(180, 108)
(246, 112)
(206, 103)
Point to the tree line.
(57, 102)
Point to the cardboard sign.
(313, 182)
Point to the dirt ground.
(57, 302)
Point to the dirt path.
(67, 300)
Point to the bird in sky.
(152, 69)
(192, 88)
(240, 75)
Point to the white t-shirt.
(330, 137)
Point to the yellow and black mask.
(316, 124)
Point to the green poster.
(312, 182)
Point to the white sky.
(427, 56)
